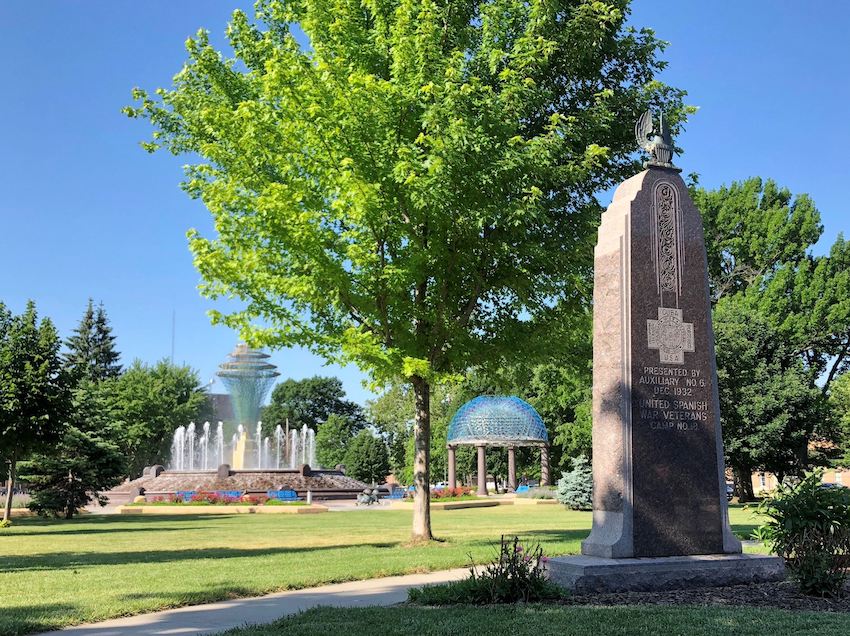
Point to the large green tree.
(782, 320)
(766, 400)
(839, 401)
(145, 405)
(411, 186)
(310, 401)
(34, 396)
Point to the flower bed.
(215, 499)
(461, 493)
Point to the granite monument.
(659, 487)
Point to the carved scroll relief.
(668, 251)
(670, 335)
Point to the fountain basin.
(158, 483)
(222, 510)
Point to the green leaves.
(809, 525)
(143, 407)
(33, 389)
(414, 191)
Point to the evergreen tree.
(91, 351)
(75, 471)
(105, 355)
(80, 355)
(366, 458)
(575, 488)
(85, 460)
(333, 439)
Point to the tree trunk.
(421, 461)
(743, 483)
(10, 484)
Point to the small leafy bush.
(5, 523)
(809, 526)
(518, 574)
(452, 493)
(575, 488)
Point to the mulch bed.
(783, 595)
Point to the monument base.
(588, 574)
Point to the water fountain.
(241, 455)
(194, 449)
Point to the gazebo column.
(482, 471)
(544, 465)
(452, 468)
(511, 469)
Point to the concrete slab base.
(587, 574)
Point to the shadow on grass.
(207, 595)
(72, 560)
(526, 536)
(744, 530)
(34, 618)
(77, 531)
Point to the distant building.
(764, 482)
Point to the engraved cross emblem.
(670, 335)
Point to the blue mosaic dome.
(497, 421)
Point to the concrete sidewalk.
(219, 617)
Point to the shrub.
(809, 526)
(517, 575)
(5, 523)
(446, 493)
(575, 487)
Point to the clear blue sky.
(85, 212)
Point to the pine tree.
(105, 355)
(575, 487)
(91, 350)
(78, 359)
(75, 472)
(86, 459)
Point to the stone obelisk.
(659, 488)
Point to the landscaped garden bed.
(457, 499)
(294, 508)
(218, 503)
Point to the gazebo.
(491, 420)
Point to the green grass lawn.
(57, 573)
(542, 620)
